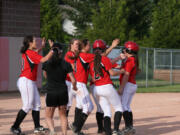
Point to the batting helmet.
(131, 46)
(99, 44)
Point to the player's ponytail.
(137, 62)
(26, 42)
(97, 63)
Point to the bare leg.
(49, 117)
(63, 118)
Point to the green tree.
(165, 28)
(136, 14)
(124, 19)
(51, 22)
(139, 17)
(109, 21)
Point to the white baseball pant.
(128, 93)
(71, 94)
(96, 99)
(83, 100)
(29, 94)
(108, 95)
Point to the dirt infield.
(154, 114)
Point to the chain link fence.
(158, 67)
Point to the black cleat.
(40, 129)
(16, 131)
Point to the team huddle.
(67, 78)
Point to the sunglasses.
(124, 50)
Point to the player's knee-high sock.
(126, 118)
(20, 117)
(107, 125)
(117, 120)
(78, 112)
(99, 119)
(131, 118)
(82, 119)
(36, 118)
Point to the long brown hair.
(76, 54)
(137, 62)
(135, 55)
(71, 42)
(84, 42)
(28, 39)
(97, 63)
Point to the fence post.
(154, 59)
(147, 67)
(171, 64)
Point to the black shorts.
(56, 99)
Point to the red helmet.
(132, 46)
(99, 44)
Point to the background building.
(18, 18)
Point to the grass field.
(158, 89)
(154, 86)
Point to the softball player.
(100, 71)
(55, 70)
(27, 85)
(99, 112)
(70, 57)
(84, 104)
(128, 84)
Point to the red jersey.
(30, 61)
(107, 65)
(69, 60)
(129, 66)
(82, 67)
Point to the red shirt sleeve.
(87, 57)
(129, 65)
(34, 57)
(107, 63)
(67, 59)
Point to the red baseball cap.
(131, 46)
(99, 44)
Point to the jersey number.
(97, 77)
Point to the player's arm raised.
(114, 44)
(49, 55)
(120, 57)
(42, 45)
